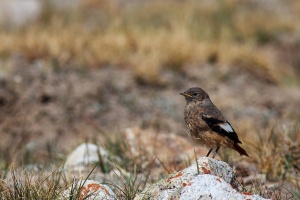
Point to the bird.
(207, 125)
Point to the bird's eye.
(195, 94)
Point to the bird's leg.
(208, 152)
(218, 147)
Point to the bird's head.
(195, 94)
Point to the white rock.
(214, 177)
(207, 186)
(84, 155)
(211, 166)
(90, 190)
(19, 12)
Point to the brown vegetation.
(89, 72)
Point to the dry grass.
(31, 182)
(32, 185)
(155, 36)
(277, 153)
(273, 151)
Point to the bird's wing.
(219, 126)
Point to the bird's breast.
(193, 120)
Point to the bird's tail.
(240, 150)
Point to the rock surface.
(210, 179)
(207, 186)
(90, 190)
(82, 160)
(19, 12)
(84, 155)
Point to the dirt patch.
(61, 107)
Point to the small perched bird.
(206, 124)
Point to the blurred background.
(74, 70)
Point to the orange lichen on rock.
(205, 171)
(93, 187)
(246, 193)
(176, 176)
(218, 179)
(105, 190)
(185, 184)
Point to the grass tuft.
(154, 37)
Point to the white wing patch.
(226, 127)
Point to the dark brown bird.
(206, 124)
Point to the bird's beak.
(185, 94)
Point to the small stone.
(89, 190)
(84, 155)
(207, 186)
(19, 12)
(211, 179)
